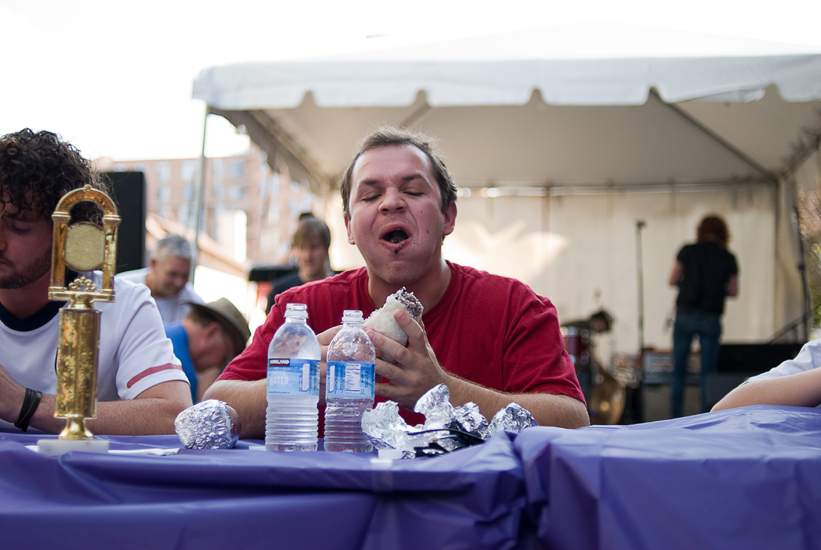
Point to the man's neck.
(28, 300)
(428, 290)
(149, 282)
(308, 276)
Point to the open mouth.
(395, 236)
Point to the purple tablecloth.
(247, 499)
(747, 478)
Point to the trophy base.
(56, 447)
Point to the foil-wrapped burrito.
(211, 424)
(446, 428)
(382, 320)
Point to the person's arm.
(204, 380)
(249, 398)
(151, 412)
(732, 286)
(675, 274)
(152, 388)
(243, 383)
(417, 370)
(801, 389)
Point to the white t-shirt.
(172, 309)
(134, 352)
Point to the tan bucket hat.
(227, 314)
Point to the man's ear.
(348, 228)
(210, 331)
(450, 218)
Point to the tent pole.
(200, 199)
(802, 261)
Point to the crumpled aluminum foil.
(387, 430)
(211, 424)
(446, 428)
(512, 418)
(436, 407)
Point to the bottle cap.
(296, 310)
(352, 316)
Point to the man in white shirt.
(167, 278)
(141, 385)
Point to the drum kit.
(605, 393)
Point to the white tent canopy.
(562, 138)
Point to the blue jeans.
(708, 328)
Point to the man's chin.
(15, 282)
(168, 293)
(399, 274)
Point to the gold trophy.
(81, 246)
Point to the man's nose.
(392, 200)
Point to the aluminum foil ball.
(211, 424)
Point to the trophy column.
(83, 247)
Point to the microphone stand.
(634, 410)
(639, 267)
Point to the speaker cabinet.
(129, 194)
(754, 358)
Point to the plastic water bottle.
(349, 386)
(291, 421)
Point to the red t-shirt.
(488, 329)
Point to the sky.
(114, 78)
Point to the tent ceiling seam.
(273, 143)
(715, 137)
(416, 116)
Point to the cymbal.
(607, 400)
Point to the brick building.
(234, 186)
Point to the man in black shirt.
(706, 273)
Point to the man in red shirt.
(490, 339)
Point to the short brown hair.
(713, 226)
(391, 135)
(309, 228)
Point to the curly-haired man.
(141, 386)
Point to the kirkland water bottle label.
(349, 380)
(293, 377)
